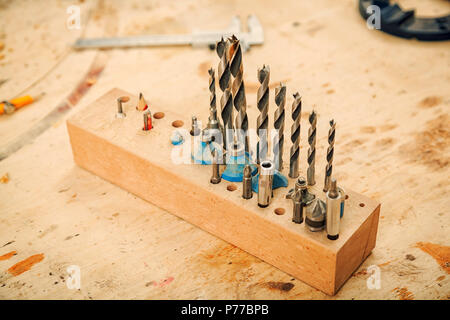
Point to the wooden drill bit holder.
(138, 161)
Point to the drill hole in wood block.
(279, 211)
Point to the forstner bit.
(295, 136)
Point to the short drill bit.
(247, 192)
(195, 130)
(224, 84)
(295, 136)
(330, 152)
(263, 118)
(238, 90)
(312, 149)
(278, 124)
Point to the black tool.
(405, 24)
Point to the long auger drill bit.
(295, 135)
(312, 149)
(226, 104)
(330, 152)
(238, 90)
(262, 101)
(278, 124)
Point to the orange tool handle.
(17, 103)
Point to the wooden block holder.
(119, 151)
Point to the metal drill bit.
(295, 136)
(224, 75)
(215, 177)
(238, 90)
(120, 100)
(212, 96)
(330, 152)
(278, 124)
(142, 104)
(333, 211)
(263, 118)
(312, 149)
(147, 123)
(195, 131)
(247, 192)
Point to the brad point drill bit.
(238, 90)
(278, 124)
(262, 101)
(312, 149)
(330, 152)
(295, 135)
(224, 84)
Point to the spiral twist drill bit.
(278, 124)
(262, 101)
(238, 90)
(224, 84)
(212, 95)
(312, 149)
(330, 152)
(295, 135)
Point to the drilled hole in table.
(346, 196)
(231, 187)
(279, 211)
(361, 204)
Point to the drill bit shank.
(238, 90)
(330, 153)
(295, 136)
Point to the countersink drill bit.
(224, 75)
(330, 152)
(278, 124)
(312, 149)
(295, 136)
(262, 101)
(238, 90)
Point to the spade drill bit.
(295, 136)
(263, 118)
(330, 152)
(224, 84)
(312, 149)
(238, 89)
(278, 124)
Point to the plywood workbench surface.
(390, 98)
